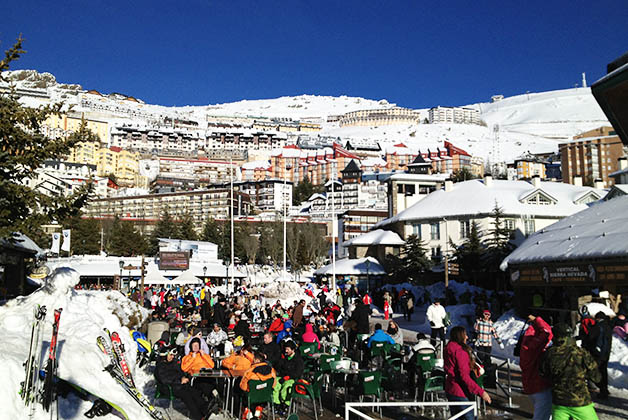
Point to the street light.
(368, 280)
(204, 273)
(121, 264)
(285, 216)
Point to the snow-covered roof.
(376, 237)
(256, 164)
(403, 176)
(597, 232)
(353, 267)
(373, 161)
(22, 242)
(475, 198)
(95, 266)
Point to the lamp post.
(121, 264)
(368, 280)
(231, 211)
(333, 227)
(204, 273)
(287, 167)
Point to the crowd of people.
(255, 338)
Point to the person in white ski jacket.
(436, 316)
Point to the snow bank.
(509, 326)
(85, 314)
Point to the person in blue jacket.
(286, 332)
(379, 336)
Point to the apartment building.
(321, 165)
(529, 165)
(377, 117)
(447, 159)
(256, 170)
(147, 209)
(64, 124)
(59, 178)
(123, 164)
(592, 155)
(455, 115)
(355, 222)
(267, 195)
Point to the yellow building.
(64, 124)
(84, 152)
(119, 162)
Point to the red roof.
(453, 150)
(115, 149)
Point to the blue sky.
(416, 54)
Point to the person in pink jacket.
(309, 336)
(535, 340)
(459, 386)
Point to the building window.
(509, 224)
(465, 229)
(436, 254)
(435, 231)
(416, 230)
(529, 226)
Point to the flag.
(65, 246)
(54, 248)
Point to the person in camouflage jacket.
(569, 367)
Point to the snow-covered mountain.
(535, 122)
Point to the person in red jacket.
(459, 386)
(535, 340)
(276, 325)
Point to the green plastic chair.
(326, 360)
(425, 364)
(371, 386)
(378, 348)
(433, 385)
(304, 391)
(308, 349)
(161, 395)
(260, 392)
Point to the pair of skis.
(32, 390)
(118, 368)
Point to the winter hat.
(486, 311)
(244, 317)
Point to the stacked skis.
(118, 368)
(30, 386)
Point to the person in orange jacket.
(196, 359)
(238, 363)
(260, 370)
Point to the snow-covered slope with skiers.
(535, 122)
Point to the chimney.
(449, 185)
(488, 180)
(599, 184)
(536, 181)
(622, 163)
(577, 181)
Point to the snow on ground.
(508, 327)
(84, 316)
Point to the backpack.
(447, 319)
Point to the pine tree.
(186, 229)
(414, 258)
(85, 235)
(165, 228)
(271, 243)
(497, 243)
(469, 254)
(23, 149)
(125, 240)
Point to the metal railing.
(352, 407)
(507, 363)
